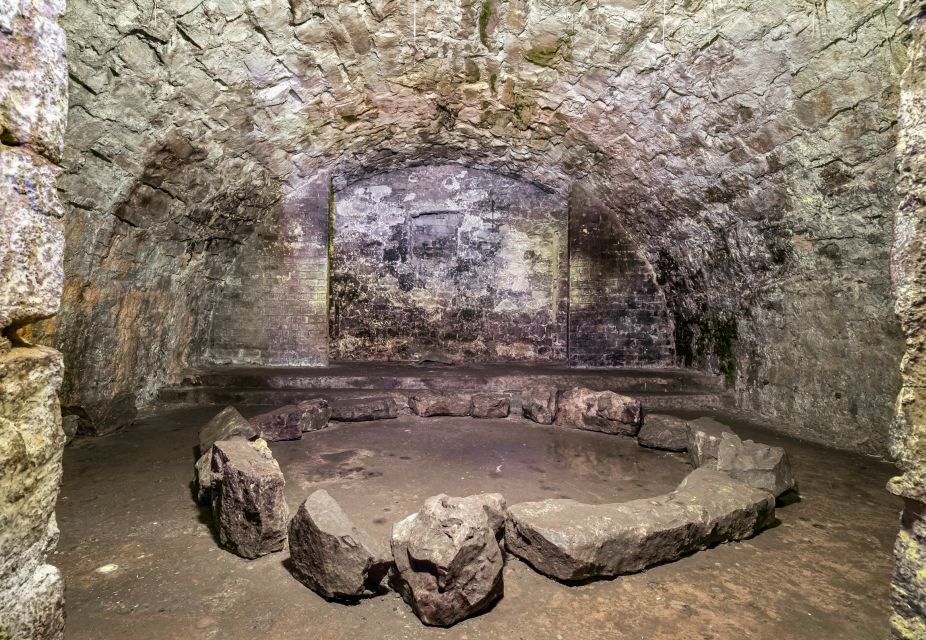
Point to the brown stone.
(603, 411)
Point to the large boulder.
(759, 465)
(538, 403)
(289, 422)
(704, 440)
(227, 424)
(571, 541)
(248, 505)
(441, 403)
(491, 405)
(364, 409)
(603, 411)
(664, 432)
(330, 555)
(448, 559)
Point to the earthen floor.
(821, 573)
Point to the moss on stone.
(485, 15)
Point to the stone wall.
(617, 312)
(746, 147)
(33, 107)
(445, 259)
(908, 439)
(270, 305)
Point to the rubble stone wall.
(33, 113)
(746, 147)
(908, 437)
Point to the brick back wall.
(272, 305)
(447, 259)
(617, 312)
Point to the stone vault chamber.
(710, 185)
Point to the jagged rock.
(448, 559)
(664, 432)
(330, 555)
(227, 424)
(491, 405)
(364, 409)
(603, 411)
(703, 441)
(441, 403)
(572, 541)
(758, 465)
(248, 505)
(289, 422)
(538, 403)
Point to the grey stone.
(69, 425)
(704, 440)
(330, 555)
(664, 432)
(603, 411)
(441, 403)
(538, 403)
(571, 541)
(491, 405)
(759, 465)
(364, 409)
(31, 448)
(248, 504)
(289, 422)
(227, 424)
(448, 559)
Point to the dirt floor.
(141, 562)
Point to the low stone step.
(487, 377)
(203, 395)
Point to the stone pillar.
(908, 267)
(33, 114)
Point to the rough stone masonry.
(744, 150)
(33, 113)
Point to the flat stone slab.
(667, 433)
(291, 421)
(603, 411)
(333, 557)
(227, 424)
(571, 541)
(448, 559)
(248, 505)
(441, 403)
(491, 405)
(364, 409)
(539, 402)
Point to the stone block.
(248, 505)
(664, 432)
(441, 403)
(364, 409)
(330, 555)
(539, 402)
(491, 405)
(603, 411)
(448, 559)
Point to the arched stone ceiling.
(746, 145)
